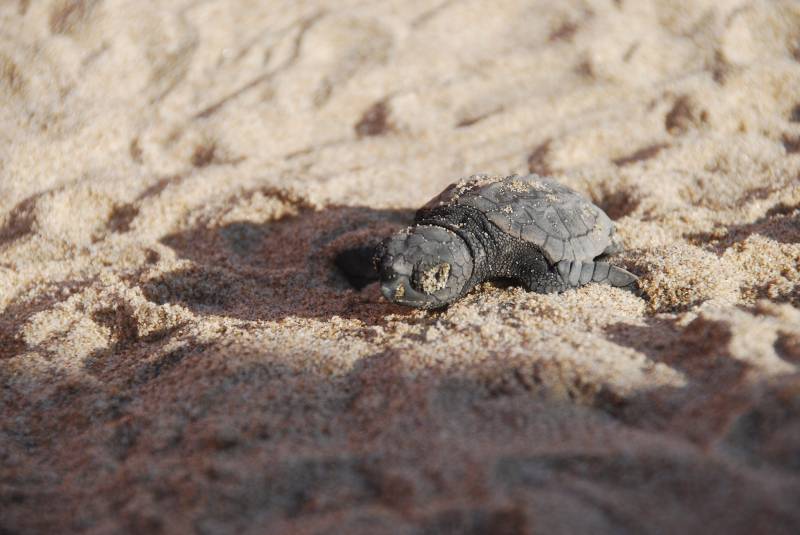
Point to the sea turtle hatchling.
(528, 229)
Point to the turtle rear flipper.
(575, 273)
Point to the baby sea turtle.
(528, 229)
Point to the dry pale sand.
(177, 353)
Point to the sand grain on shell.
(178, 354)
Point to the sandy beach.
(179, 353)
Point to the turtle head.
(424, 266)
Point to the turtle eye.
(431, 279)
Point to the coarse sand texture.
(179, 354)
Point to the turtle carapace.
(529, 229)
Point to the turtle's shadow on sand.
(278, 269)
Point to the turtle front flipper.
(575, 273)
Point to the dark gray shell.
(560, 221)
